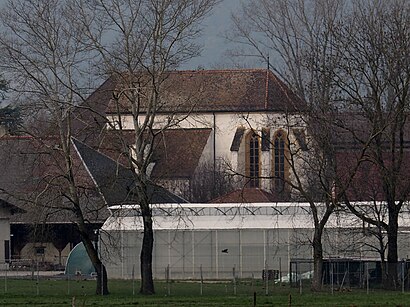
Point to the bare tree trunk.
(45, 35)
(147, 283)
(392, 255)
(102, 282)
(381, 251)
(317, 260)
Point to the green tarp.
(78, 262)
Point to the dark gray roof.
(27, 164)
(115, 182)
(13, 209)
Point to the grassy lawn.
(62, 293)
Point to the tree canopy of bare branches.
(297, 35)
(374, 80)
(48, 46)
(349, 62)
(137, 44)
(42, 53)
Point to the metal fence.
(344, 273)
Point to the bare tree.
(349, 58)
(210, 182)
(41, 52)
(298, 36)
(139, 43)
(374, 80)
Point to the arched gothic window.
(280, 162)
(253, 159)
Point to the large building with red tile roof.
(244, 120)
(239, 122)
(222, 117)
(230, 118)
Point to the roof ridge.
(209, 71)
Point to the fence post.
(266, 279)
(68, 279)
(402, 276)
(367, 277)
(331, 276)
(32, 269)
(167, 279)
(280, 270)
(133, 279)
(5, 280)
(102, 278)
(202, 279)
(38, 279)
(234, 280)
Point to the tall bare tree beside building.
(298, 37)
(138, 43)
(374, 80)
(343, 58)
(41, 52)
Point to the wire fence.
(339, 274)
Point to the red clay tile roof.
(176, 152)
(223, 90)
(367, 181)
(89, 118)
(11, 208)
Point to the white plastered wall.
(4, 234)
(226, 124)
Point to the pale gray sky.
(214, 45)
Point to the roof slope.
(13, 209)
(117, 183)
(241, 90)
(168, 148)
(31, 180)
(178, 151)
(89, 119)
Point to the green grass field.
(17, 292)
